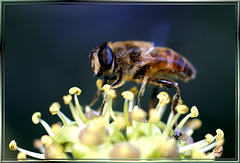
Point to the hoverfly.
(141, 62)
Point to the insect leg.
(117, 83)
(169, 84)
(97, 93)
(154, 94)
(142, 89)
(95, 98)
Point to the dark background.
(46, 49)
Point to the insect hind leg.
(153, 96)
(169, 84)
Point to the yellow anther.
(180, 102)
(56, 127)
(112, 94)
(127, 95)
(163, 98)
(46, 140)
(134, 90)
(37, 143)
(119, 122)
(220, 142)
(153, 116)
(218, 149)
(21, 156)
(35, 117)
(220, 135)
(13, 145)
(98, 125)
(67, 99)
(99, 84)
(198, 154)
(182, 109)
(209, 138)
(194, 124)
(75, 90)
(194, 112)
(106, 87)
(54, 108)
(138, 114)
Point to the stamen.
(138, 114)
(75, 90)
(131, 104)
(78, 108)
(13, 146)
(127, 95)
(54, 108)
(39, 145)
(112, 94)
(170, 125)
(170, 117)
(218, 149)
(192, 125)
(216, 152)
(99, 83)
(21, 156)
(36, 118)
(119, 122)
(125, 112)
(134, 90)
(212, 145)
(194, 112)
(67, 99)
(65, 120)
(154, 117)
(208, 139)
(106, 87)
(56, 127)
(107, 110)
(220, 135)
(46, 140)
(191, 146)
(163, 98)
(196, 154)
(184, 109)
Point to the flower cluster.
(131, 134)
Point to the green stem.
(79, 110)
(64, 119)
(125, 112)
(170, 125)
(74, 114)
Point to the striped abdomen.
(168, 63)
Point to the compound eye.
(105, 56)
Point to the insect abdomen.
(170, 63)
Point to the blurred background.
(47, 46)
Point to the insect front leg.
(142, 89)
(117, 83)
(97, 93)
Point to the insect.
(141, 62)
